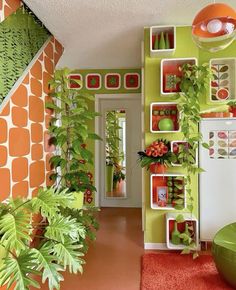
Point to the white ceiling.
(107, 33)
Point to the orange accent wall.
(7, 7)
(24, 149)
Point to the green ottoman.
(224, 253)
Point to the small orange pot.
(157, 168)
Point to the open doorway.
(117, 174)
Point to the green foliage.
(157, 152)
(112, 138)
(21, 37)
(58, 244)
(193, 84)
(70, 132)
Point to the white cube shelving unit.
(170, 218)
(222, 87)
(163, 106)
(156, 31)
(161, 180)
(170, 71)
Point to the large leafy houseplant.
(194, 84)
(70, 131)
(44, 247)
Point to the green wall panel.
(21, 37)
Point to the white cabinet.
(218, 182)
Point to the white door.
(218, 182)
(131, 187)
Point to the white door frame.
(98, 97)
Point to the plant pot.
(79, 200)
(157, 168)
(109, 178)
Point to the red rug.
(172, 271)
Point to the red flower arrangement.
(158, 152)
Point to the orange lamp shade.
(214, 27)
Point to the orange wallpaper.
(24, 149)
(7, 7)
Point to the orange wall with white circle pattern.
(24, 149)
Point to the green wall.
(155, 219)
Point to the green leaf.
(48, 201)
(60, 227)
(68, 255)
(46, 263)
(186, 251)
(17, 270)
(205, 145)
(94, 136)
(195, 255)
(180, 218)
(15, 230)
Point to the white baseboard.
(155, 246)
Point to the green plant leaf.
(180, 218)
(68, 255)
(46, 263)
(60, 227)
(15, 230)
(17, 270)
(186, 251)
(48, 201)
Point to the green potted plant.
(118, 175)
(44, 246)
(112, 147)
(157, 156)
(70, 132)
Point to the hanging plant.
(194, 85)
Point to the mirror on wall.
(115, 134)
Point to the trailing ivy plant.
(194, 85)
(70, 132)
(44, 247)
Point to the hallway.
(113, 261)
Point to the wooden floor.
(113, 261)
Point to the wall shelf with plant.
(162, 40)
(181, 231)
(171, 74)
(167, 191)
(178, 147)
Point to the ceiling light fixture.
(214, 27)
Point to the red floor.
(113, 261)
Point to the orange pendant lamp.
(214, 27)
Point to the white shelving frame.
(182, 61)
(187, 217)
(163, 104)
(156, 207)
(157, 30)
